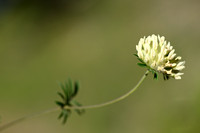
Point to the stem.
(12, 123)
(112, 101)
(19, 120)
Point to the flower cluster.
(159, 56)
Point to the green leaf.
(70, 90)
(68, 86)
(76, 88)
(65, 118)
(66, 114)
(64, 89)
(78, 111)
(142, 64)
(61, 95)
(60, 104)
(76, 103)
(61, 115)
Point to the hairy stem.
(12, 123)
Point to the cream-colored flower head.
(158, 55)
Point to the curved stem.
(12, 123)
(112, 101)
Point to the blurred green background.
(93, 41)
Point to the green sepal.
(141, 64)
(154, 72)
(155, 76)
(140, 60)
(166, 77)
(168, 68)
(135, 55)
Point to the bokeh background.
(93, 41)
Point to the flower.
(158, 55)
